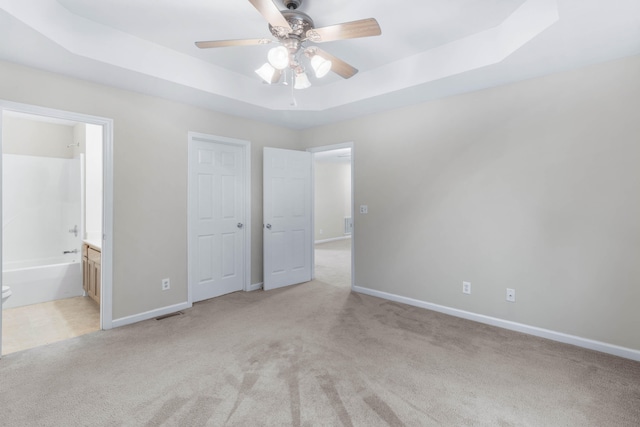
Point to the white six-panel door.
(287, 217)
(216, 218)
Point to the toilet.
(6, 293)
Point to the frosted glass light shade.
(302, 81)
(268, 73)
(320, 65)
(278, 57)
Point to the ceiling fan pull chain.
(294, 103)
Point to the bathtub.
(41, 280)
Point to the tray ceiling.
(428, 49)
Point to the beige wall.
(34, 138)
(332, 199)
(533, 186)
(150, 177)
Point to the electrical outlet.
(166, 284)
(364, 209)
(511, 295)
(466, 287)
(321, 231)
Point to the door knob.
(269, 226)
(240, 225)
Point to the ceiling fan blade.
(271, 13)
(349, 30)
(338, 66)
(227, 43)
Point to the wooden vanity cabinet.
(91, 266)
(85, 267)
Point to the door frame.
(106, 291)
(246, 191)
(332, 147)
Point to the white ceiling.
(428, 49)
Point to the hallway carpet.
(333, 262)
(315, 354)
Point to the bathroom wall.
(88, 144)
(29, 137)
(93, 183)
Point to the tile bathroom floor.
(39, 324)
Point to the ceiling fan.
(297, 36)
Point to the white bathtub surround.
(41, 228)
(6, 293)
(33, 285)
(41, 203)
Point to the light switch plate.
(364, 209)
(466, 287)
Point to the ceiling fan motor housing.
(299, 22)
(292, 4)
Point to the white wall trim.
(256, 287)
(128, 320)
(106, 298)
(1, 229)
(615, 350)
(333, 239)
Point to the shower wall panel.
(41, 204)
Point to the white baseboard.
(255, 287)
(162, 311)
(615, 350)
(333, 239)
(150, 314)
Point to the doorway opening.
(333, 214)
(54, 225)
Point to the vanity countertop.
(96, 244)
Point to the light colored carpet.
(333, 262)
(311, 355)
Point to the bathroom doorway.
(53, 193)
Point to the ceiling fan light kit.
(320, 65)
(278, 57)
(302, 81)
(294, 29)
(268, 73)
